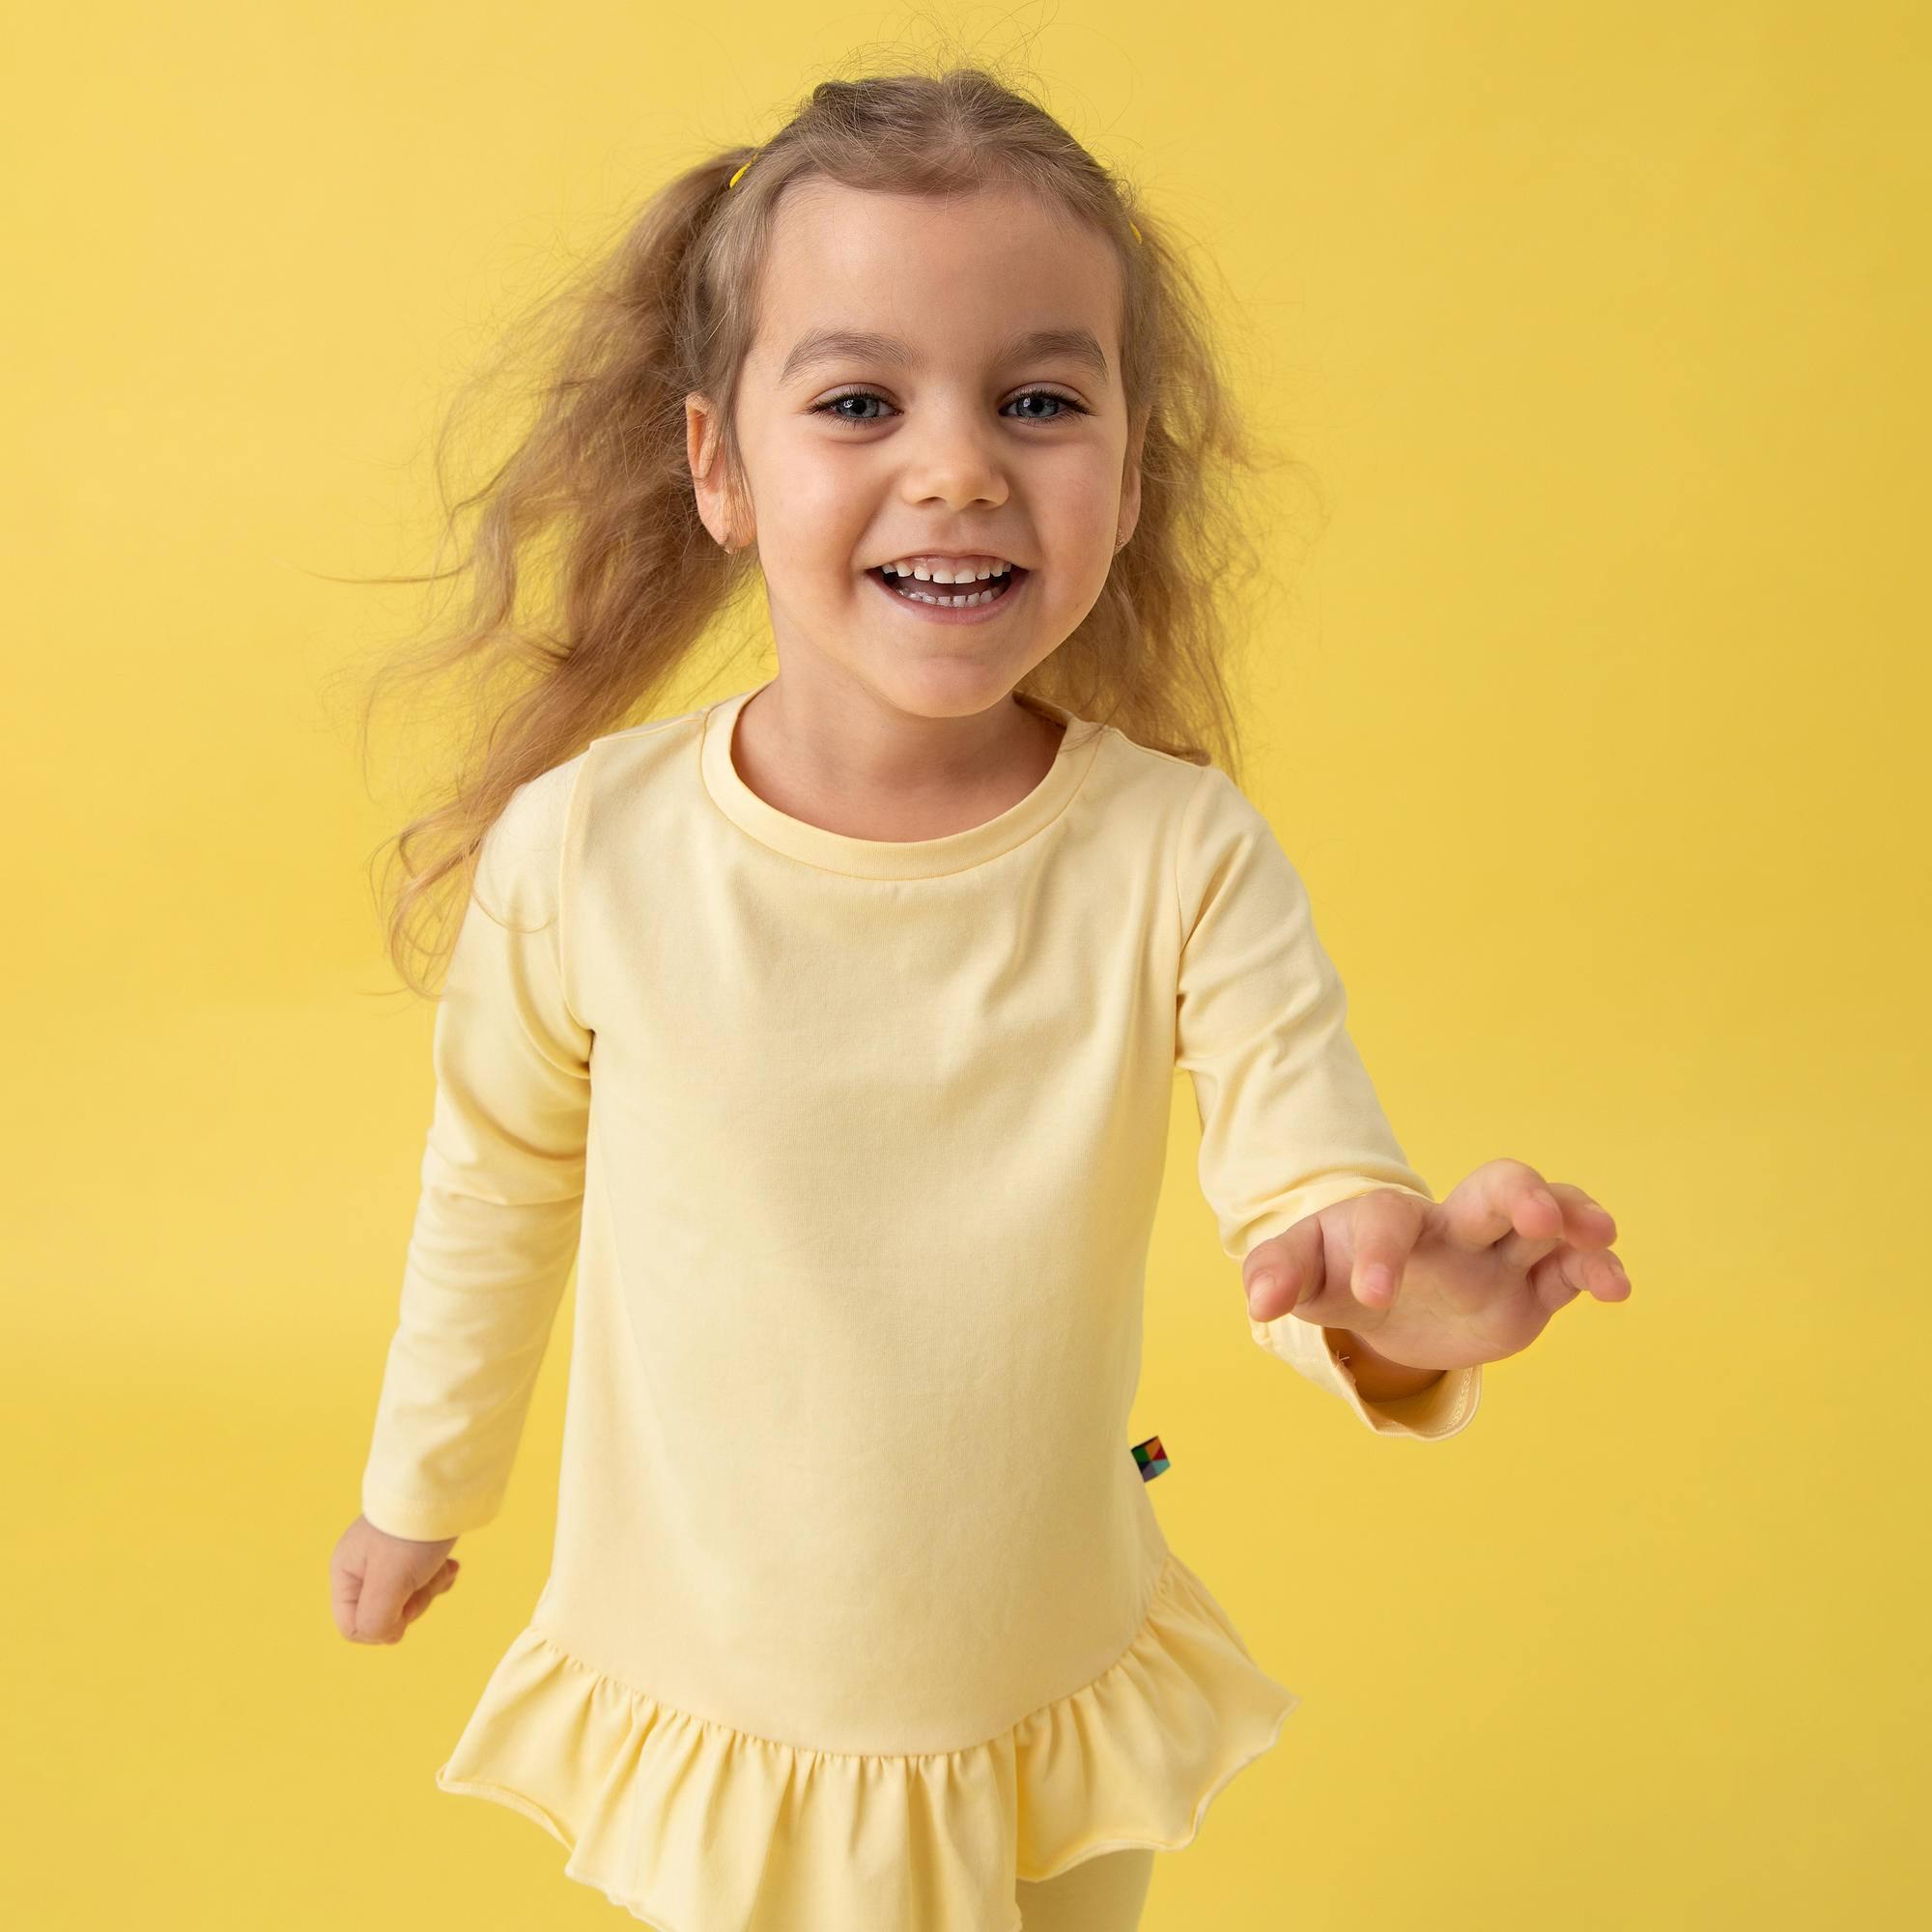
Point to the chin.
(949, 683)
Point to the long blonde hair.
(596, 503)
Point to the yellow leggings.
(1103, 1894)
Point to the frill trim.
(694, 1826)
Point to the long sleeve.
(1290, 1120)
(499, 1215)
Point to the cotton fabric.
(859, 1612)
(1104, 1893)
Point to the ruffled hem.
(694, 1826)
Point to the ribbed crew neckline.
(891, 858)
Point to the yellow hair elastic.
(733, 182)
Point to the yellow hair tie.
(733, 182)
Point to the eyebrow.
(828, 345)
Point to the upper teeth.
(965, 571)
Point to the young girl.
(831, 1029)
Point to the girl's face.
(981, 414)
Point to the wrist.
(1375, 1377)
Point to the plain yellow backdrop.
(1594, 716)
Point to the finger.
(1603, 1275)
(1278, 1272)
(1586, 1224)
(421, 1600)
(379, 1614)
(1529, 1206)
(1501, 1198)
(345, 1587)
(1383, 1233)
(1559, 1278)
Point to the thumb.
(1279, 1272)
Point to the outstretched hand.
(1442, 1285)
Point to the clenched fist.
(380, 1584)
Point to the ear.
(711, 486)
(1130, 473)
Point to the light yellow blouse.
(859, 1611)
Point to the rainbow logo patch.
(1151, 1458)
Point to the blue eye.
(830, 407)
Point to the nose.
(952, 456)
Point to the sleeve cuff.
(429, 1522)
(1446, 1407)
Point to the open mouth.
(950, 596)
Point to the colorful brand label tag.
(1151, 1458)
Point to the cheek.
(816, 500)
(812, 525)
(1078, 504)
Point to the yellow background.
(1595, 718)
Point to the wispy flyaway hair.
(591, 580)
